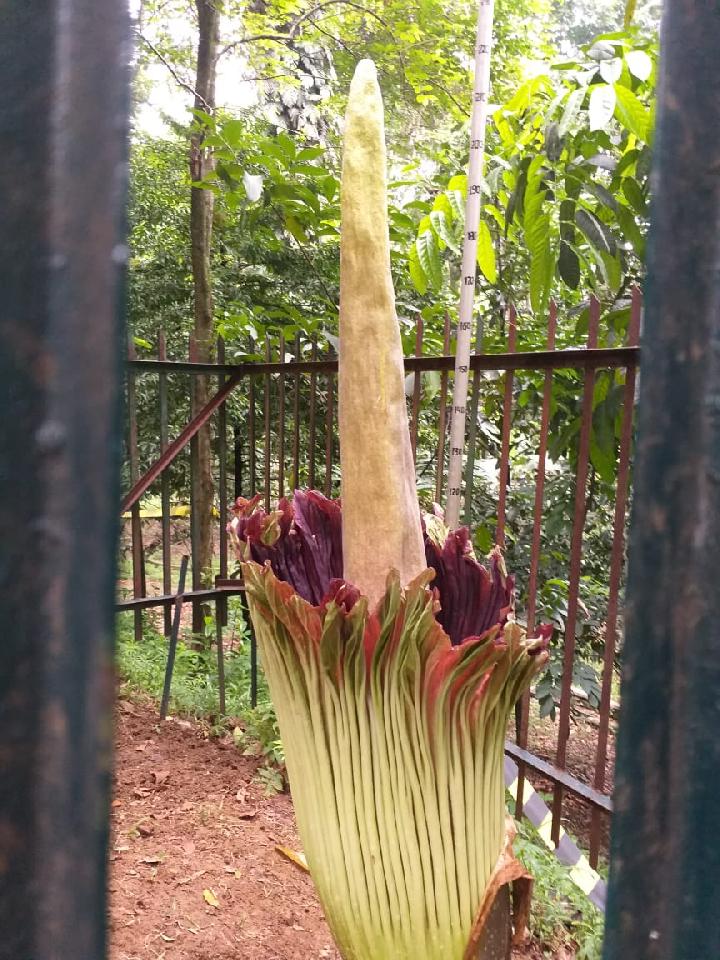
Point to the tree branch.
(173, 72)
(275, 37)
(329, 3)
(288, 37)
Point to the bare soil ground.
(581, 755)
(195, 870)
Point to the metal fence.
(282, 433)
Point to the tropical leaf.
(572, 109)
(457, 202)
(569, 266)
(601, 106)
(438, 218)
(631, 231)
(567, 220)
(610, 70)
(310, 153)
(486, 253)
(234, 133)
(293, 226)
(602, 50)
(553, 142)
(442, 203)
(459, 183)
(537, 237)
(417, 274)
(602, 194)
(429, 256)
(634, 195)
(639, 64)
(595, 231)
(631, 113)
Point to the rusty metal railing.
(283, 418)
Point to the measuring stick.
(481, 92)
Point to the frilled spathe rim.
(302, 542)
(400, 638)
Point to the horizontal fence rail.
(608, 357)
(274, 425)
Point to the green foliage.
(561, 915)
(194, 691)
(260, 732)
(566, 180)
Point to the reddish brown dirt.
(580, 761)
(187, 819)
(188, 826)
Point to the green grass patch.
(561, 914)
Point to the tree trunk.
(201, 221)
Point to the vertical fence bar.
(138, 554)
(665, 862)
(197, 611)
(174, 634)
(296, 419)
(281, 422)
(222, 465)
(220, 621)
(312, 429)
(442, 421)
(252, 441)
(266, 422)
(417, 388)
(616, 567)
(329, 437)
(473, 426)
(522, 716)
(253, 651)
(63, 122)
(220, 604)
(505, 445)
(165, 487)
(237, 462)
(575, 567)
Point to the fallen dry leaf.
(193, 876)
(210, 898)
(159, 858)
(296, 857)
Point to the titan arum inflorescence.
(391, 654)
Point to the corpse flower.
(391, 654)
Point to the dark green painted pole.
(63, 122)
(665, 865)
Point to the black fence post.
(63, 126)
(665, 857)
